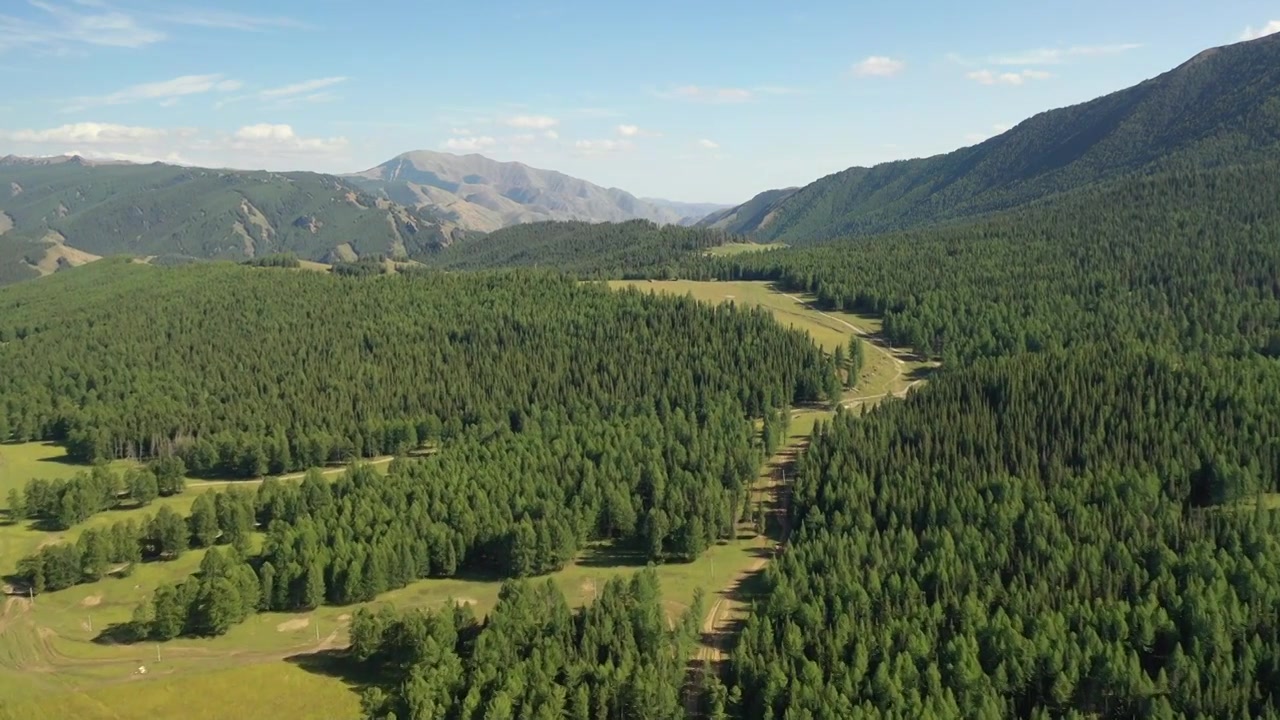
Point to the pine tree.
(314, 593)
(857, 359)
(16, 506)
(203, 521)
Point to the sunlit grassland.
(739, 248)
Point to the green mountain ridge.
(66, 211)
(1219, 108)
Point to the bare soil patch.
(292, 625)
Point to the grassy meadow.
(738, 248)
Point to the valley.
(979, 430)
(51, 664)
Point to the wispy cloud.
(1270, 28)
(306, 86)
(166, 92)
(696, 93)
(879, 66)
(531, 122)
(86, 133)
(60, 27)
(293, 94)
(777, 90)
(231, 21)
(987, 77)
(600, 147)
(1057, 56)
(595, 112)
(708, 144)
(469, 144)
(69, 27)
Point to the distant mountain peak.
(479, 193)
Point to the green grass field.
(730, 249)
(50, 666)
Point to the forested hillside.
(639, 248)
(163, 210)
(1184, 259)
(1065, 534)
(1219, 108)
(1076, 517)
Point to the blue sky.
(698, 101)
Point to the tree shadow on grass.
(340, 665)
(122, 633)
(612, 556)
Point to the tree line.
(1186, 258)
(636, 248)
(62, 504)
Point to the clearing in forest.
(739, 248)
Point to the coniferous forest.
(1077, 516)
(243, 372)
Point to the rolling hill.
(477, 193)
(1218, 108)
(56, 212)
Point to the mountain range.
(56, 212)
(1220, 107)
(477, 193)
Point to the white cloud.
(469, 144)
(262, 146)
(551, 135)
(631, 131)
(164, 91)
(879, 66)
(1270, 28)
(1056, 56)
(461, 131)
(306, 86)
(708, 144)
(987, 77)
(282, 139)
(531, 122)
(85, 133)
(696, 93)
